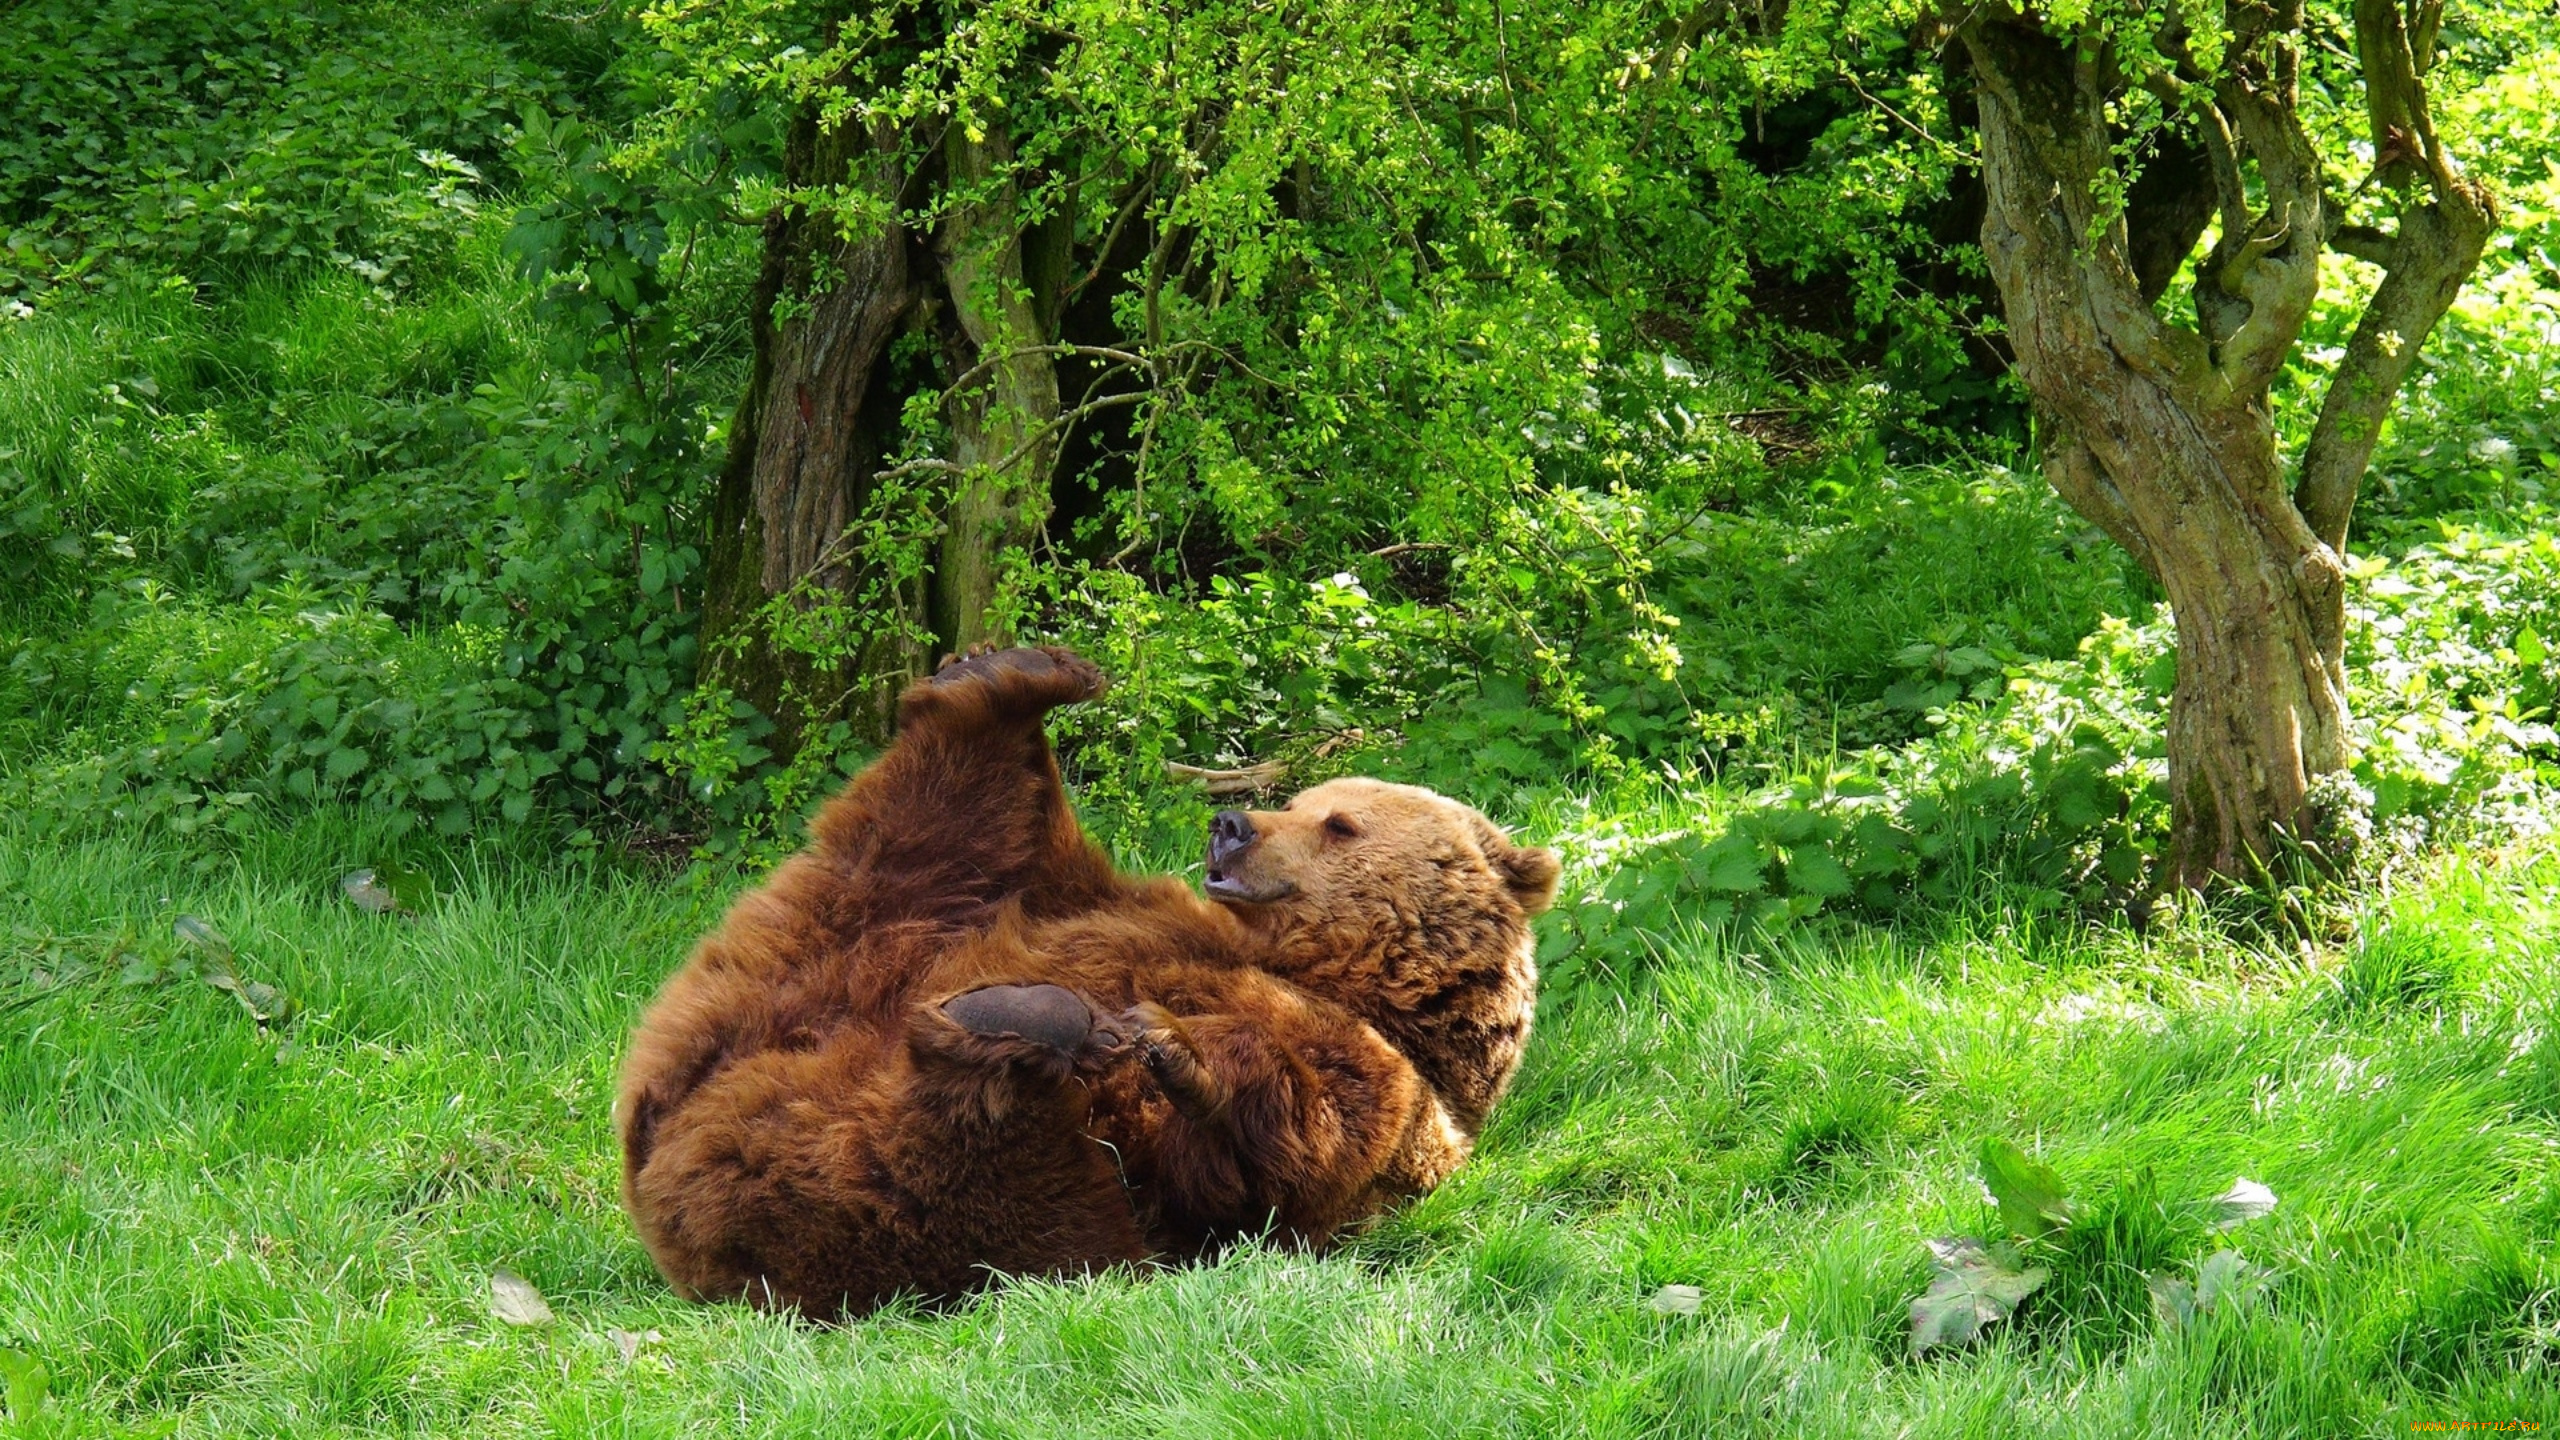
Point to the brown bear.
(949, 1041)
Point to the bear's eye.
(1341, 827)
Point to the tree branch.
(2365, 242)
(1111, 238)
(2395, 100)
(2440, 235)
(2053, 248)
(2273, 265)
(1014, 457)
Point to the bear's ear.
(1531, 873)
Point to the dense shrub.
(2053, 786)
(367, 368)
(377, 548)
(156, 134)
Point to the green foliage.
(376, 647)
(159, 134)
(1569, 406)
(2055, 788)
(1560, 406)
(309, 539)
(1465, 291)
(2098, 1251)
(2033, 1202)
(1973, 1286)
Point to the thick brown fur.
(950, 1041)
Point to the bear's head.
(1404, 905)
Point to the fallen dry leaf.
(513, 1299)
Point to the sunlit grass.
(293, 1233)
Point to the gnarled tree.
(805, 516)
(2162, 432)
(1165, 289)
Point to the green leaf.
(513, 1299)
(1557, 938)
(24, 1378)
(2077, 795)
(1811, 870)
(369, 894)
(1676, 1300)
(265, 1003)
(2121, 863)
(1795, 825)
(195, 932)
(346, 760)
(2033, 1200)
(2529, 647)
(2161, 675)
(221, 970)
(1973, 1287)
(388, 889)
(2173, 1301)
(2224, 1282)
(1732, 863)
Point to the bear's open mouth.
(1225, 884)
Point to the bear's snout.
(1238, 871)
(1229, 832)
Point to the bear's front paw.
(1175, 1063)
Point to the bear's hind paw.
(1034, 1021)
(1041, 676)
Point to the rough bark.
(2163, 436)
(1004, 423)
(807, 441)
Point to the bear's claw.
(1166, 1051)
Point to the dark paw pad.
(970, 662)
(987, 662)
(1052, 671)
(1050, 1015)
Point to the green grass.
(292, 1235)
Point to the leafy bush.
(161, 133)
(452, 576)
(1515, 506)
(318, 498)
(2056, 788)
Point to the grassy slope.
(296, 1240)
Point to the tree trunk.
(2162, 435)
(2260, 706)
(1004, 423)
(808, 439)
(2164, 440)
(811, 445)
